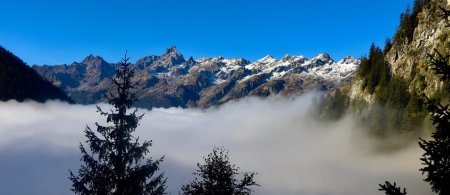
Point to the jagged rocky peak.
(89, 57)
(224, 61)
(146, 61)
(204, 59)
(288, 58)
(349, 60)
(97, 68)
(190, 63)
(237, 61)
(191, 59)
(93, 60)
(213, 60)
(171, 50)
(322, 59)
(267, 59)
(233, 61)
(219, 58)
(173, 55)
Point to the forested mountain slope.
(20, 82)
(390, 85)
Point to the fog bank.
(291, 152)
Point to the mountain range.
(169, 80)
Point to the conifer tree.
(219, 177)
(115, 163)
(436, 159)
(390, 189)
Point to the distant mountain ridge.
(171, 80)
(19, 82)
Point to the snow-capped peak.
(285, 58)
(322, 56)
(322, 59)
(204, 59)
(349, 60)
(292, 59)
(267, 59)
(219, 58)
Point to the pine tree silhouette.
(437, 150)
(115, 163)
(390, 189)
(219, 177)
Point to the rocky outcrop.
(409, 58)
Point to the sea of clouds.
(279, 139)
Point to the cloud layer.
(292, 152)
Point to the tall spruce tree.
(115, 163)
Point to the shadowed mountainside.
(20, 82)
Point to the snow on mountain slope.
(170, 80)
(321, 65)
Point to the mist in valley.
(292, 152)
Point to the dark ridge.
(20, 82)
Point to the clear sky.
(63, 31)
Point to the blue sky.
(63, 31)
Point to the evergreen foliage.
(393, 94)
(387, 46)
(373, 70)
(333, 106)
(219, 177)
(409, 22)
(115, 163)
(20, 82)
(444, 14)
(397, 109)
(390, 189)
(440, 65)
(436, 159)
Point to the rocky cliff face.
(170, 80)
(409, 58)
